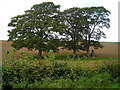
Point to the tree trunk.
(92, 53)
(87, 47)
(87, 51)
(39, 54)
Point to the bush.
(99, 80)
(15, 70)
(62, 83)
(24, 68)
(112, 69)
(24, 73)
(21, 84)
(50, 55)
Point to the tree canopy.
(96, 19)
(37, 28)
(73, 19)
(85, 25)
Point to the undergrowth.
(24, 73)
(55, 71)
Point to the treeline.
(46, 23)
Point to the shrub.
(15, 70)
(58, 83)
(24, 73)
(99, 80)
(62, 83)
(50, 55)
(112, 69)
(7, 52)
(37, 84)
(21, 84)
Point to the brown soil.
(109, 50)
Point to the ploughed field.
(109, 50)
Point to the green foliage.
(13, 56)
(0, 77)
(112, 69)
(96, 21)
(14, 71)
(21, 84)
(24, 70)
(7, 52)
(37, 28)
(84, 25)
(73, 20)
(65, 57)
(47, 82)
(14, 50)
(38, 84)
(24, 73)
(97, 81)
(62, 83)
(50, 55)
(102, 80)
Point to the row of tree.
(45, 27)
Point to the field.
(23, 70)
(109, 50)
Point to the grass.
(89, 63)
(69, 57)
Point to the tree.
(85, 25)
(73, 21)
(37, 28)
(96, 19)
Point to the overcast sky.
(11, 8)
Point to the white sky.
(11, 8)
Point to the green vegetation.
(29, 72)
(50, 55)
(0, 75)
(36, 27)
(44, 27)
(70, 57)
(84, 25)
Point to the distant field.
(110, 49)
(7, 46)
